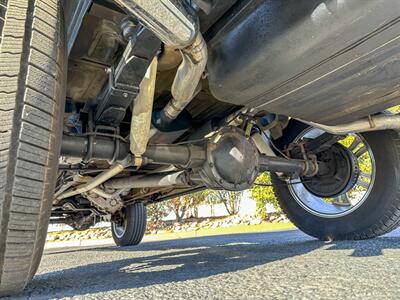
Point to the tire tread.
(31, 43)
(136, 227)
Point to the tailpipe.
(176, 25)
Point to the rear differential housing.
(232, 161)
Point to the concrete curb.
(151, 238)
(78, 243)
(102, 242)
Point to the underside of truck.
(109, 106)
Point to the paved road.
(276, 265)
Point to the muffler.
(174, 22)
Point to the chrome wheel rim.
(119, 230)
(348, 202)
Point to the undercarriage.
(143, 125)
(109, 106)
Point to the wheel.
(358, 199)
(32, 76)
(129, 226)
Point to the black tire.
(134, 225)
(32, 76)
(378, 214)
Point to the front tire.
(378, 214)
(32, 95)
(130, 226)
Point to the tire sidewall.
(135, 227)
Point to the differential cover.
(232, 160)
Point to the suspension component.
(124, 79)
(94, 182)
(228, 160)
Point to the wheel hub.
(342, 175)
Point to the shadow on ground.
(178, 260)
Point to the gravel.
(276, 265)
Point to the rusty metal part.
(109, 204)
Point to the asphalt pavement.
(274, 265)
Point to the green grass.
(264, 227)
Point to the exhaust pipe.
(180, 178)
(372, 123)
(187, 80)
(176, 25)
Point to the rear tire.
(377, 215)
(130, 230)
(32, 76)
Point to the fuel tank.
(329, 61)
